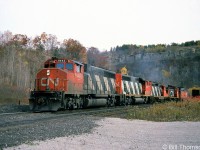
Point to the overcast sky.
(104, 23)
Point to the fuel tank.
(94, 102)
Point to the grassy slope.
(188, 110)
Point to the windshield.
(60, 65)
(69, 66)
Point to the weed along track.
(120, 111)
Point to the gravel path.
(115, 133)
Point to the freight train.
(69, 84)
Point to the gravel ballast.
(11, 108)
(30, 131)
(115, 133)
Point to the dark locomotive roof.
(99, 71)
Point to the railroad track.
(31, 118)
(99, 111)
(14, 113)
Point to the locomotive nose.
(51, 79)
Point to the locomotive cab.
(61, 74)
(64, 64)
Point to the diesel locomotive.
(69, 84)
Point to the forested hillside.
(21, 57)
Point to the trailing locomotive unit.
(68, 84)
(99, 87)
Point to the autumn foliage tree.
(75, 50)
(45, 42)
(20, 39)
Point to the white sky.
(104, 23)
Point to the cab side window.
(78, 68)
(52, 65)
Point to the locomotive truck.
(69, 84)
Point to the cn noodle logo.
(45, 81)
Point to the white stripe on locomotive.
(137, 89)
(106, 84)
(140, 87)
(159, 91)
(153, 91)
(127, 86)
(123, 87)
(98, 81)
(113, 83)
(90, 83)
(156, 91)
(133, 87)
